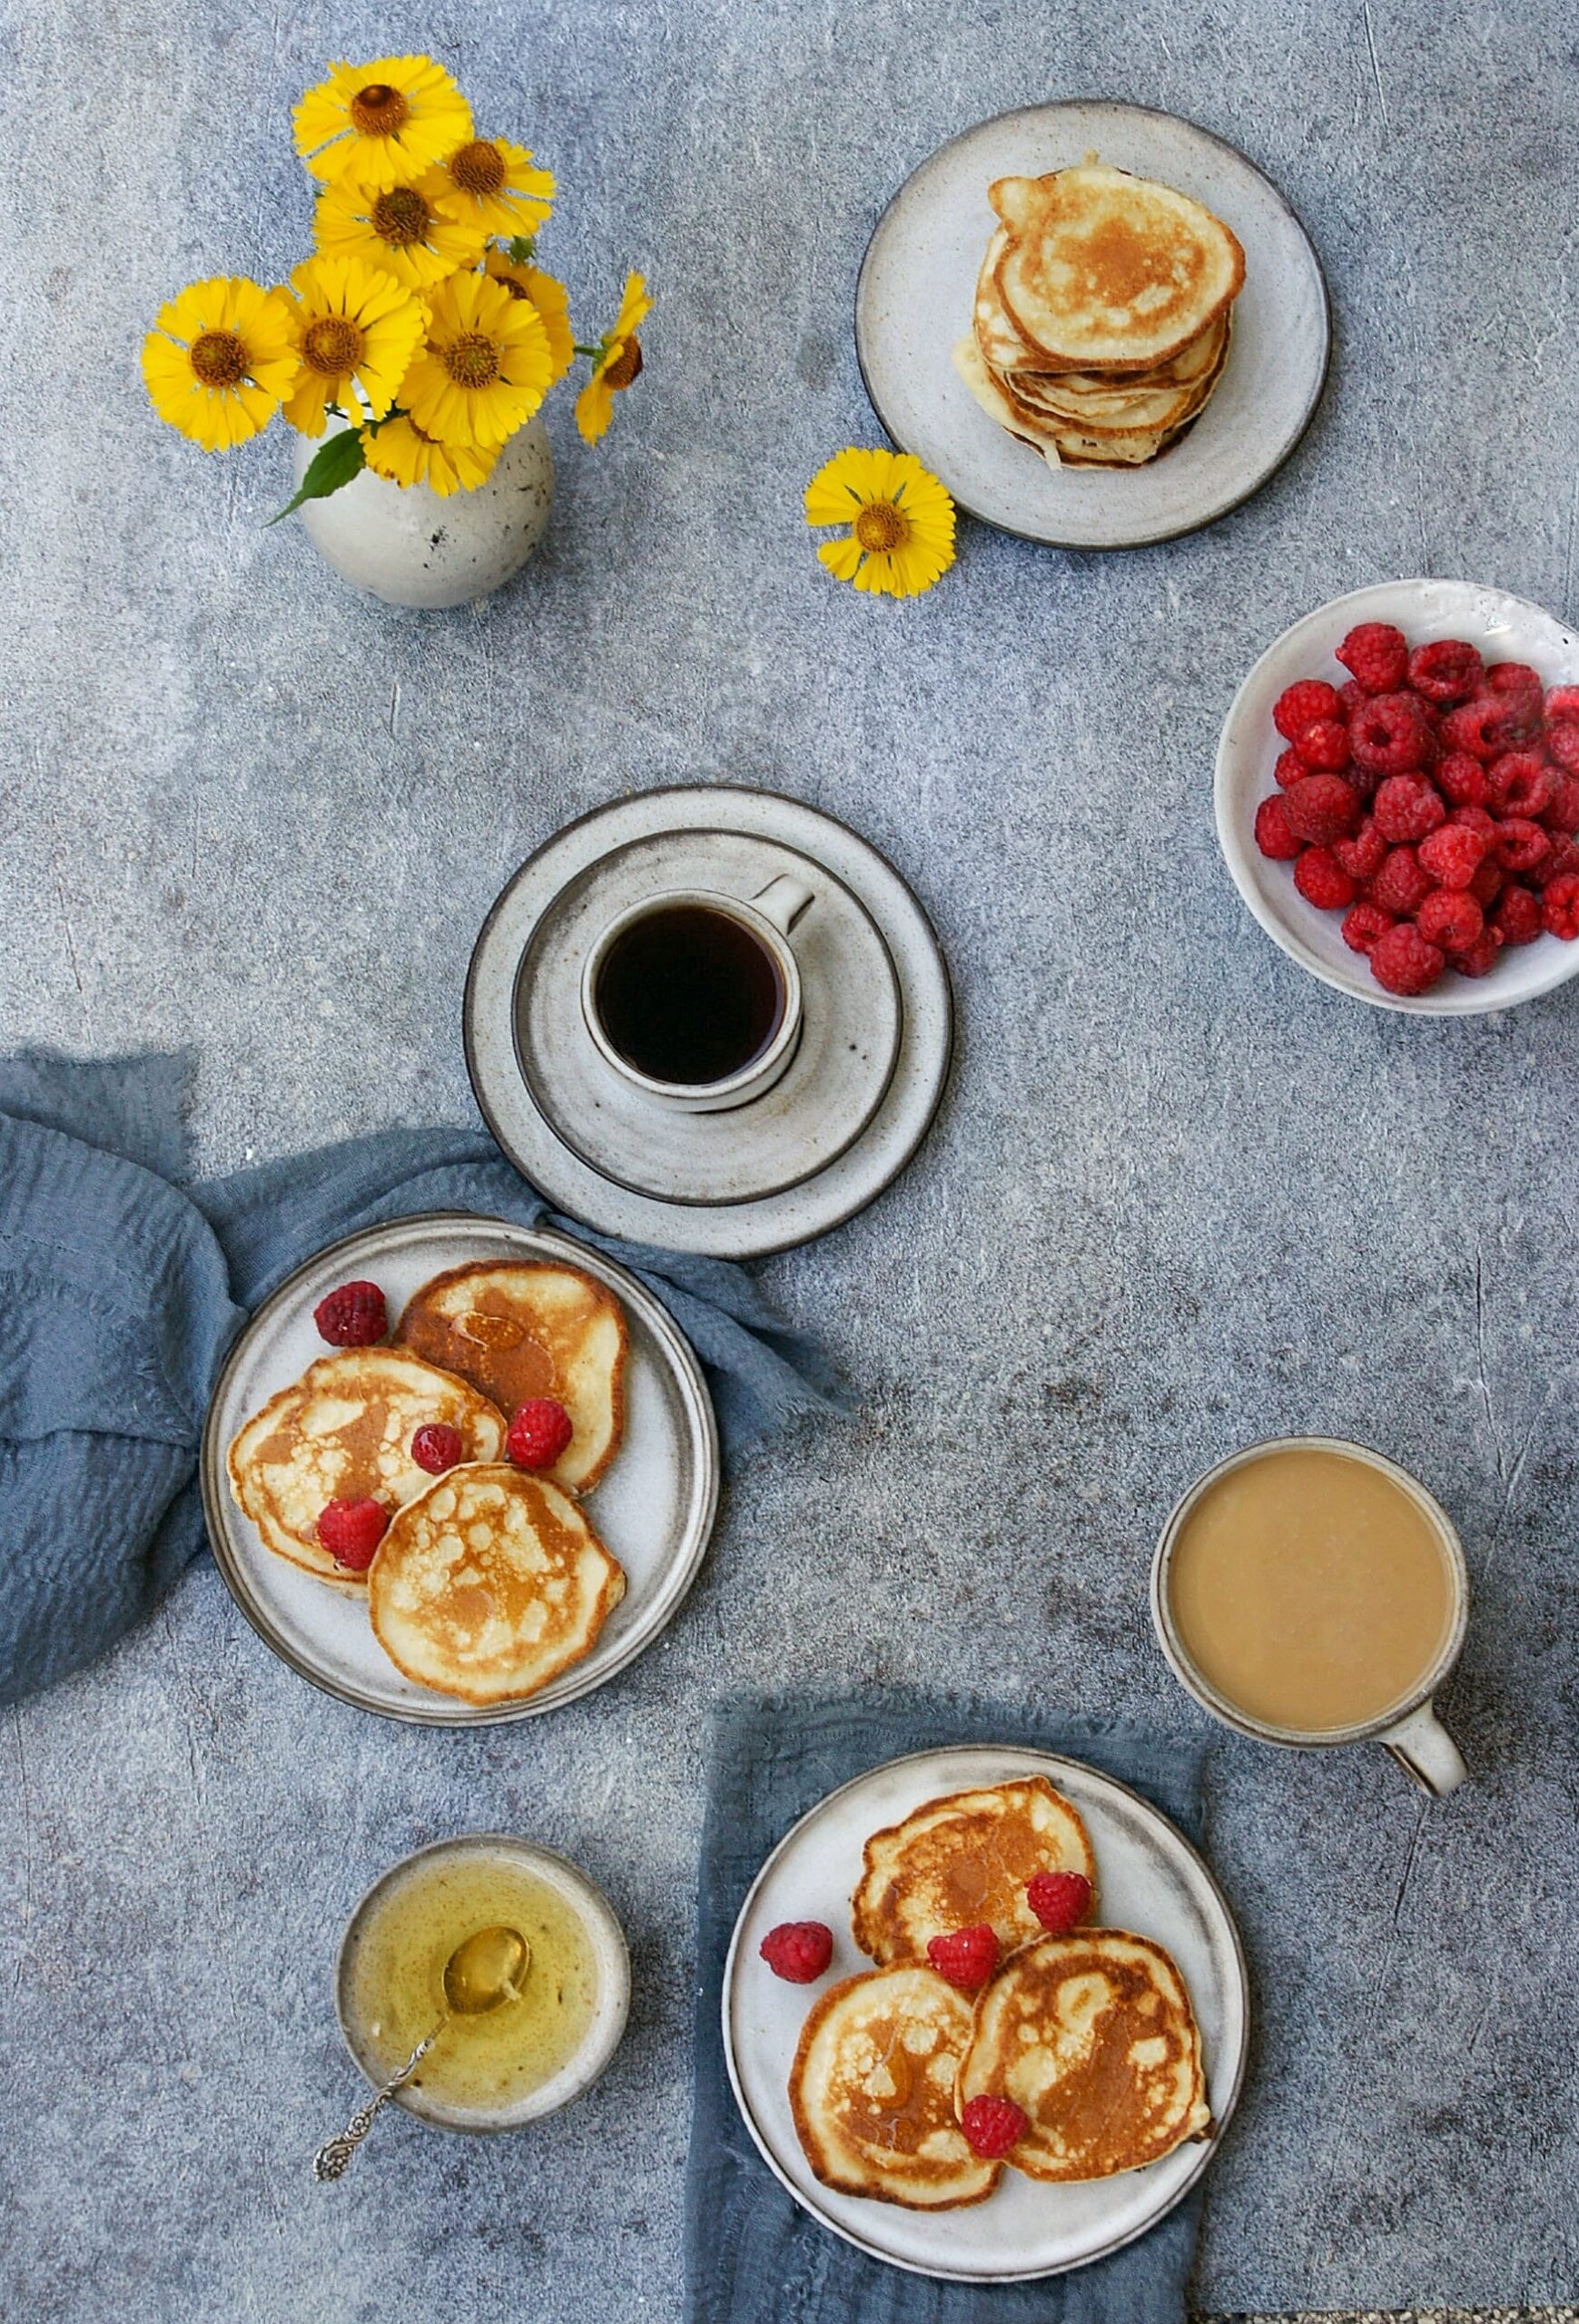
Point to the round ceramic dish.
(846, 1118)
(604, 1935)
(1151, 1880)
(1506, 629)
(915, 297)
(654, 1508)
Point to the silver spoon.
(486, 1970)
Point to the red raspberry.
(798, 1950)
(1563, 859)
(1403, 962)
(1519, 845)
(965, 1956)
(1451, 918)
(1322, 808)
(1488, 884)
(1291, 768)
(1560, 907)
(351, 1530)
(353, 1316)
(1406, 808)
(1563, 745)
(1480, 957)
(1390, 735)
(1400, 886)
(1351, 694)
(1377, 654)
(1562, 702)
(1563, 812)
(1461, 780)
(1302, 705)
(1521, 783)
(1447, 671)
(992, 2125)
(1060, 1900)
(1474, 818)
(1323, 745)
(1452, 855)
(1322, 881)
(1518, 689)
(1274, 835)
(1475, 727)
(437, 1447)
(1517, 917)
(1364, 924)
(1362, 856)
(539, 1433)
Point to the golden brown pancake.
(873, 2091)
(489, 1584)
(964, 1859)
(1094, 2036)
(343, 1433)
(523, 1328)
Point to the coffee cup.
(1310, 1592)
(693, 996)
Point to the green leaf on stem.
(334, 464)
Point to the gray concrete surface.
(1181, 1196)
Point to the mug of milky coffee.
(1311, 1592)
(695, 997)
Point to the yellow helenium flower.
(616, 362)
(901, 520)
(550, 301)
(402, 228)
(486, 367)
(383, 123)
(495, 184)
(219, 360)
(399, 450)
(354, 328)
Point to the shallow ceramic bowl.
(1506, 629)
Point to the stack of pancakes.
(1102, 314)
(1090, 2033)
(489, 1581)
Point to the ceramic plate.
(915, 298)
(654, 1508)
(1151, 1880)
(1506, 629)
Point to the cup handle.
(1422, 1745)
(783, 901)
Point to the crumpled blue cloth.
(121, 1288)
(753, 2256)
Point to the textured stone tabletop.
(1179, 1196)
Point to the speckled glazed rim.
(604, 1934)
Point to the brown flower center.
(219, 359)
(625, 366)
(333, 345)
(479, 167)
(471, 360)
(377, 111)
(401, 217)
(881, 526)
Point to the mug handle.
(1422, 1745)
(783, 901)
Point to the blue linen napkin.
(753, 2256)
(120, 1290)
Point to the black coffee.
(689, 995)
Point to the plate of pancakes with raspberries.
(985, 2012)
(458, 1470)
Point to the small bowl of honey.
(509, 1955)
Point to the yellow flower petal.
(407, 230)
(220, 360)
(550, 300)
(497, 186)
(915, 518)
(487, 365)
(355, 330)
(383, 123)
(401, 451)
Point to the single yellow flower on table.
(355, 329)
(407, 230)
(486, 368)
(219, 360)
(380, 125)
(498, 187)
(401, 451)
(616, 362)
(901, 521)
(550, 300)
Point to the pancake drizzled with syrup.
(960, 1861)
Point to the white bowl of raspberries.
(1397, 796)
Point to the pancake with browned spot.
(964, 1859)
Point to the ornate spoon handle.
(330, 2161)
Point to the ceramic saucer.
(915, 297)
(845, 1118)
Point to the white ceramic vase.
(413, 546)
